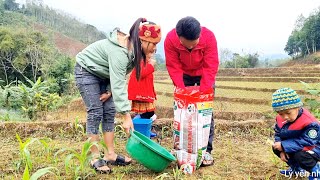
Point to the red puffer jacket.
(142, 90)
(201, 61)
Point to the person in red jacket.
(141, 91)
(192, 59)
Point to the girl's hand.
(277, 146)
(284, 156)
(127, 124)
(105, 96)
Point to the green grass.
(12, 115)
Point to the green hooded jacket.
(107, 59)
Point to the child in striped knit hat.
(296, 135)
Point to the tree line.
(305, 37)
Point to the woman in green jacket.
(100, 74)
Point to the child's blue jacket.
(301, 135)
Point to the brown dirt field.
(257, 89)
(64, 43)
(314, 74)
(67, 45)
(244, 100)
(283, 70)
(270, 79)
(301, 92)
(76, 110)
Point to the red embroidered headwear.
(150, 32)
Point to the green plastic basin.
(147, 152)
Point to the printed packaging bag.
(192, 120)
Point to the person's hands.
(105, 96)
(127, 124)
(277, 146)
(284, 156)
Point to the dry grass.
(219, 106)
(238, 155)
(230, 93)
(270, 85)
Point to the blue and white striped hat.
(285, 98)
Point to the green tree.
(244, 61)
(36, 53)
(252, 59)
(23, 54)
(1, 7)
(7, 45)
(60, 70)
(305, 37)
(11, 5)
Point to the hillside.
(309, 60)
(69, 34)
(63, 43)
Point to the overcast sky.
(261, 26)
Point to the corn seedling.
(25, 158)
(199, 158)
(47, 148)
(39, 173)
(83, 159)
(177, 174)
(78, 127)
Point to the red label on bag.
(176, 125)
(180, 104)
(190, 134)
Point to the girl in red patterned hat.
(141, 90)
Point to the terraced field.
(243, 128)
(243, 91)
